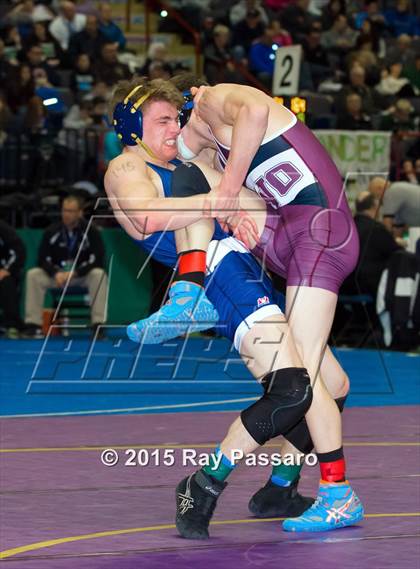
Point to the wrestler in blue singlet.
(235, 283)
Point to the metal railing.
(47, 159)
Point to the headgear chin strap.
(128, 120)
(186, 109)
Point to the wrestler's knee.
(287, 397)
(343, 388)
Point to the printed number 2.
(288, 64)
(276, 182)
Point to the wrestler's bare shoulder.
(125, 163)
(127, 167)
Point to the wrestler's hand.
(231, 217)
(222, 204)
(243, 227)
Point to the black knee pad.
(287, 397)
(299, 435)
(188, 180)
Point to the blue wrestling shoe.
(187, 310)
(336, 506)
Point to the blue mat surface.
(72, 376)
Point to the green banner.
(358, 151)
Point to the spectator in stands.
(64, 244)
(99, 89)
(218, 60)
(21, 99)
(401, 21)
(376, 245)
(6, 68)
(358, 85)
(372, 31)
(206, 29)
(297, 20)
(108, 69)
(402, 51)
(157, 53)
(51, 99)
(377, 187)
(330, 11)
(401, 205)
(12, 259)
(392, 83)
(262, 56)
(400, 117)
(42, 37)
(159, 70)
(365, 55)
(316, 57)
(353, 117)
(239, 11)
(274, 7)
(82, 79)
(246, 31)
(35, 58)
(89, 40)
(79, 116)
(280, 35)
(109, 28)
(83, 117)
(99, 111)
(371, 13)
(12, 43)
(340, 38)
(25, 13)
(409, 173)
(219, 11)
(67, 23)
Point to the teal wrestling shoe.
(187, 310)
(336, 506)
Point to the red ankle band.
(192, 262)
(333, 471)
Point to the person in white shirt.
(67, 23)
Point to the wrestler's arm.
(131, 190)
(249, 120)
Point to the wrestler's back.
(290, 158)
(279, 117)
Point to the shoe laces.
(318, 503)
(203, 509)
(204, 504)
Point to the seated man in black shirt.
(67, 255)
(12, 259)
(376, 245)
(353, 117)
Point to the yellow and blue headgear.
(186, 109)
(128, 118)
